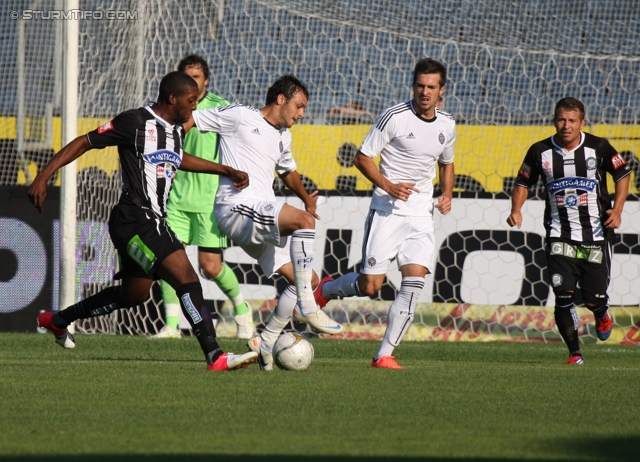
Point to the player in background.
(190, 215)
(578, 216)
(280, 237)
(411, 137)
(149, 141)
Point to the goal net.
(508, 63)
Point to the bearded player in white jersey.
(411, 138)
(260, 140)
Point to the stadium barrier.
(489, 283)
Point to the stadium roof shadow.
(615, 449)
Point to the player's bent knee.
(211, 272)
(306, 221)
(129, 300)
(565, 298)
(369, 288)
(592, 301)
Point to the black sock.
(195, 311)
(566, 323)
(104, 302)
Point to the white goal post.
(68, 192)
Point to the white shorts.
(410, 240)
(254, 227)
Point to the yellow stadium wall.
(486, 153)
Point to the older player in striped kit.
(579, 218)
(411, 137)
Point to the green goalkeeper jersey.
(195, 192)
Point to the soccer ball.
(292, 352)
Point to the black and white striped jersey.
(150, 151)
(577, 198)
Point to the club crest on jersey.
(591, 163)
(166, 170)
(525, 171)
(441, 138)
(105, 127)
(617, 161)
(571, 200)
(267, 208)
(372, 261)
(556, 280)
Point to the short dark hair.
(195, 61)
(175, 83)
(571, 104)
(286, 85)
(430, 66)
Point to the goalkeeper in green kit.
(190, 215)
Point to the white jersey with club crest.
(410, 148)
(248, 142)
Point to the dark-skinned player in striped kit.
(149, 141)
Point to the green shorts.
(195, 228)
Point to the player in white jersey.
(411, 137)
(260, 141)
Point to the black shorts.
(142, 240)
(584, 265)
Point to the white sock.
(401, 314)
(286, 302)
(172, 309)
(272, 331)
(301, 251)
(281, 317)
(344, 286)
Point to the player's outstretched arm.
(195, 164)
(519, 195)
(370, 170)
(447, 175)
(38, 190)
(614, 219)
(293, 181)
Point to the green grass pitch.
(116, 398)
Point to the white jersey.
(248, 143)
(410, 147)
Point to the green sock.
(173, 321)
(228, 283)
(171, 305)
(241, 309)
